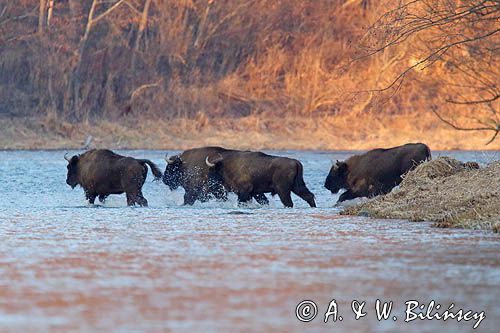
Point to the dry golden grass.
(446, 191)
(342, 132)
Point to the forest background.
(283, 74)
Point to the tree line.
(82, 61)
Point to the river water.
(216, 267)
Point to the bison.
(189, 171)
(375, 172)
(101, 172)
(251, 174)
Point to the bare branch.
(480, 101)
(495, 129)
(459, 35)
(438, 53)
(417, 24)
(143, 87)
(109, 10)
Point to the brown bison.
(376, 172)
(251, 174)
(101, 172)
(189, 171)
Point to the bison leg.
(102, 198)
(130, 199)
(261, 199)
(220, 194)
(244, 197)
(203, 197)
(305, 194)
(90, 197)
(347, 195)
(286, 198)
(139, 199)
(218, 191)
(189, 198)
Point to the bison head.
(336, 179)
(72, 177)
(172, 177)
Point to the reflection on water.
(65, 265)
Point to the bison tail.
(300, 188)
(299, 175)
(299, 184)
(154, 169)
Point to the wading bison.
(101, 172)
(375, 172)
(251, 174)
(189, 171)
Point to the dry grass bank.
(252, 132)
(446, 191)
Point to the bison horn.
(66, 157)
(210, 165)
(215, 160)
(170, 159)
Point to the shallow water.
(213, 267)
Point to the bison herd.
(212, 172)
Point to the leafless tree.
(41, 16)
(453, 41)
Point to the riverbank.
(445, 191)
(341, 132)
